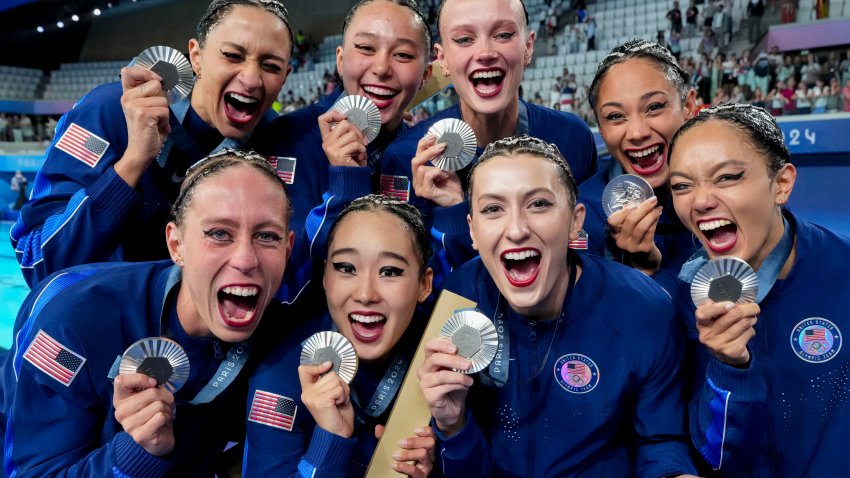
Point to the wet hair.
(410, 5)
(524, 144)
(754, 123)
(637, 48)
(213, 165)
(443, 3)
(409, 215)
(218, 10)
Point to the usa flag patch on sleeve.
(395, 186)
(273, 410)
(54, 359)
(83, 144)
(284, 167)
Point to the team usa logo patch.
(54, 359)
(576, 373)
(816, 340)
(83, 144)
(273, 410)
(580, 243)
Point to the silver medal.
(475, 337)
(623, 191)
(721, 280)
(460, 143)
(159, 358)
(172, 67)
(362, 113)
(331, 347)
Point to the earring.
(445, 73)
(179, 262)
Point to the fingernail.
(441, 146)
(419, 431)
(730, 306)
(397, 455)
(653, 199)
(394, 465)
(402, 443)
(151, 381)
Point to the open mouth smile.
(521, 266)
(238, 305)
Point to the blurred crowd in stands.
(723, 65)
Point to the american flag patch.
(285, 167)
(395, 186)
(815, 335)
(53, 358)
(580, 243)
(82, 144)
(273, 410)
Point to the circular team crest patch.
(576, 373)
(816, 340)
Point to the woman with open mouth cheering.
(119, 156)
(640, 97)
(61, 413)
(485, 47)
(375, 276)
(768, 374)
(586, 382)
(383, 57)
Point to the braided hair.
(757, 125)
(409, 215)
(525, 144)
(637, 48)
(218, 10)
(409, 4)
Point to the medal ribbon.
(225, 375)
(497, 372)
(388, 388)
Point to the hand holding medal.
(724, 291)
(326, 395)
(351, 124)
(150, 372)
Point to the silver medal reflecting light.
(460, 143)
(362, 113)
(172, 67)
(721, 280)
(159, 358)
(623, 191)
(331, 347)
(475, 337)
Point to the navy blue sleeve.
(282, 439)
(662, 448)
(55, 403)
(78, 203)
(466, 454)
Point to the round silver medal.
(625, 190)
(475, 337)
(159, 358)
(362, 113)
(725, 280)
(172, 66)
(331, 347)
(460, 143)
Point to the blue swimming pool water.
(13, 289)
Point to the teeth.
(248, 316)
(377, 90)
(243, 99)
(486, 74)
(241, 291)
(645, 152)
(518, 256)
(367, 319)
(711, 225)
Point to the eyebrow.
(712, 171)
(497, 25)
(372, 36)
(382, 254)
(499, 197)
(243, 50)
(643, 97)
